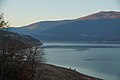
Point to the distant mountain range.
(103, 26)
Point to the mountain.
(88, 30)
(38, 27)
(103, 26)
(102, 15)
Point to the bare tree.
(3, 26)
(19, 60)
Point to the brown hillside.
(52, 72)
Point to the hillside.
(98, 27)
(21, 38)
(51, 72)
(95, 30)
(38, 27)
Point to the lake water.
(97, 60)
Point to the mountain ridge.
(101, 26)
(102, 15)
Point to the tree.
(3, 25)
(19, 60)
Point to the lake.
(97, 60)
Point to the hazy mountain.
(101, 26)
(38, 27)
(86, 30)
(45, 24)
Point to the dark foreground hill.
(99, 27)
(18, 39)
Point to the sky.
(23, 12)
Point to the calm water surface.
(98, 60)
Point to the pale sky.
(23, 12)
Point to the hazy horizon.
(24, 12)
